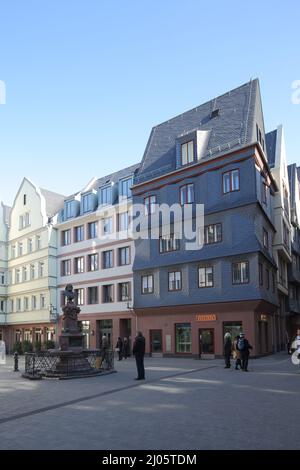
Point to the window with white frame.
(79, 233)
(107, 257)
(12, 305)
(212, 234)
(2, 305)
(150, 202)
(124, 256)
(19, 305)
(25, 273)
(24, 221)
(13, 251)
(93, 230)
(30, 245)
(168, 243)
(32, 271)
(66, 267)
(126, 187)
(106, 195)
(93, 262)
(107, 294)
(187, 194)
(2, 278)
(79, 296)
(87, 202)
(240, 272)
(231, 181)
(79, 265)
(20, 249)
(124, 291)
(107, 225)
(69, 209)
(43, 301)
(205, 276)
(174, 280)
(33, 302)
(187, 152)
(123, 221)
(93, 295)
(18, 276)
(147, 284)
(41, 269)
(38, 242)
(66, 237)
(26, 303)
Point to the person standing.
(119, 348)
(227, 349)
(139, 353)
(244, 347)
(125, 348)
(237, 354)
(104, 348)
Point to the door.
(206, 341)
(156, 342)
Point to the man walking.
(139, 353)
(244, 347)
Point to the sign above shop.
(206, 317)
(263, 317)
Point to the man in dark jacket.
(244, 347)
(139, 353)
(227, 350)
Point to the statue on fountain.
(71, 311)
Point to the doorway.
(156, 343)
(206, 342)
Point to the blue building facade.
(185, 300)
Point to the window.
(20, 249)
(24, 274)
(93, 230)
(13, 251)
(87, 203)
(168, 243)
(2, 278)
(147, 284)
(92, 295)
(264, 193)
(260, 274)
(79, 296)
(273, 282)
(93, 262)
(107, 259)
(24, 221)
(265, 238)
(175, 280)
(240, 272)
(107, 225)
(231, 181)
(125, 187)
(107, 294)
(24, 199)
(205, 276)
(19, 306)
(79, 265)
(79, 233)
(286, 238)
(26, 303)
(187, 152)
(66, 237)
(183, 338)
(66, 267)
(11, 305)
(187, 194)
(43, 301)
(2, 305)
(18, 276)
(33, 302)
(41, 269)
(124, 256)
(106, 195)
(213, 234)
(150, 202)
(123, 221)
(32, 271)
(124, 291)
(38, 242)
(30, 245)
(69, 209)
(267, 279)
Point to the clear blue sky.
(86, 80)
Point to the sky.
(86, 80)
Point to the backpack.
(241, 344)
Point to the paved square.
(183, 404)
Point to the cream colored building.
(4, 218)
(31, 266)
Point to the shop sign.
(206, 317)
(263, 317)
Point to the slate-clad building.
(216, 155)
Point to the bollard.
(16, 362)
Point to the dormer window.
(187, 152)
(126, 187)
(87, 203)
(106, 195)
(69, 209)
(215, 113)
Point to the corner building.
(185, 300)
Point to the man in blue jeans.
(244, 347)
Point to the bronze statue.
(70, 310)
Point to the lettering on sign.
(206, 317)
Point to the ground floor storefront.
(198, 330)
(29, 337)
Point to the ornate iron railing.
(60, 363)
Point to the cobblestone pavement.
(182, 404)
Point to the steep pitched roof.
(233, 128)
(115, 177)
(54, 201)
(271, 139)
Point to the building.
(31, 266)
(4, 219)
(216, 155)
(95, 255)
(294, 267)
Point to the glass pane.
(191, 151)
(235, 180)
(226, 183)
(184, 156)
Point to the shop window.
(183, 338)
